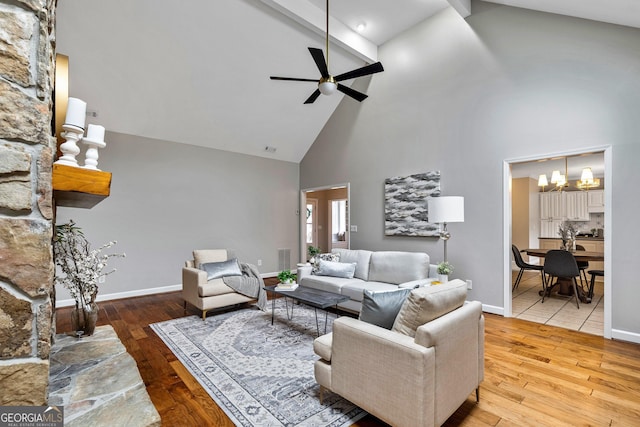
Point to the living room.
(479, 99)
(461, 96)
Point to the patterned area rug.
(259, 374)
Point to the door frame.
(303, 222)
(608, 210)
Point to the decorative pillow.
(428, 303)
(345, 270)
(381, 308)
(216, 270)
(323, 257)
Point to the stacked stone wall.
(27, 147)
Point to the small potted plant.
(286, 277)
(313, 251)
(444, 269)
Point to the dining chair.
(583, 266)
(561, 265)
(524, 266)
(594, 274)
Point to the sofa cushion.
(202, 256)
(327, 283)
(428, 303)
(361, 257)
(354, 290)
(322, 346)
(336, 269)
(323, 257)
(381, 308)
(215, 270)
(398, 267)
(214, 287)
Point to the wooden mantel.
(78, 187)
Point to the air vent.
(284, 259)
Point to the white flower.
(81, 266)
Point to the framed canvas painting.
(405, 204)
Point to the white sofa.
(375, 271)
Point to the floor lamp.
(443, 210)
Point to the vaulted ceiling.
(198, 72)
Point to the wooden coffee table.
(312, 297)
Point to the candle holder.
(70, 148)
(94, 140)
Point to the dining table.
(564, 284)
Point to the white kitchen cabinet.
(575, 204)
(551, 205)
(595, 201)
(549, 227)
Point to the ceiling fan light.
(327, 87)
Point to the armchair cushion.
(216, 270)
(202, 256)
(322, 346)
(428, 303)
(381, 308)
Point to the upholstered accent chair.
(406, 380)
(206, 294)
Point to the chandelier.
(586, 181)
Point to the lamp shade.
(587, 175)
(446, 209)
(542, 180)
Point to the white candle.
(95, 133)
(76, 112)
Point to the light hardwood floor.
(535, 374)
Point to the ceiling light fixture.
(587, 180)
(328, 84)
(561, 181)
(361, 26)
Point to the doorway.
(515, 232)
(330, 219)
(338, 221)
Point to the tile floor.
(557, 310)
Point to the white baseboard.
(617, 334)
(138, 293)
(493, 309)
(122, 295)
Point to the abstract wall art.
(405, 204)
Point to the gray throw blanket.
(249, 284)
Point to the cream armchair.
(209, 294)
(402, 380)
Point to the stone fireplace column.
(27, 146)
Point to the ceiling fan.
(328, 83)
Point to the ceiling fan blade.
(294, 79)
(358, 96)
(364, 71)
(318, 57)
(313, 97)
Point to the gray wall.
(168, 199)
(463, 96)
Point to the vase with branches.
(79, 268)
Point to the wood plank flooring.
(535, 375)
